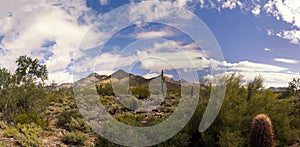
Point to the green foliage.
(101, 142)
(23, 92)
(75, 138)
(29, 135)
(29, 70)
(30, 118)
(254, 86)
(180, 139)
(105, 89)
(10, 132)
(78, 124)
(5, 78)
(3, 125)
(130, 119)
(71, 120)
(140, 92)
(232, 125)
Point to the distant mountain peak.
(120, 71)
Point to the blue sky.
(255, 37)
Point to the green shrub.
(72, 121)
(99, 142)
(10, 132)
(78, 124)
(64, 117)
(29, 135)
(3, 125)
(140, 92)
(75, 138)
(180, 139)
(30, 118)
(105, 89)
(130, 119)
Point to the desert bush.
(75, 138)
(30, 118)
(29, 135)
(3, 125)
(130, 119)
(100, 142)
(180, 139)
(72, 121)
(78, 124)
(105, 89)
(10, 132)
(140, 92)
(65, 117)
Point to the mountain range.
(134, 80)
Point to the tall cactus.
(162, 82)
(261, 132)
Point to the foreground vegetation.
(36, 114)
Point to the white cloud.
(60, 77)
(270, 79)
(152, 75)
(26, 25)
(284, 60)
(154, 34)
(182, 3)
(253, 67)
(256, 10)
(267, 49)
(287, 10)
(231, 4)
(142, 10)
(293, 35)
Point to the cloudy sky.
(257, 37)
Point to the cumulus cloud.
(254, 67)
(287, 11)
(27, 25)
(60, 77)
(231, 4)
(154, 34)
(142, 10)
(256, 10)
(152, 75)
(292, 35)
(284, 60)
(270, 79)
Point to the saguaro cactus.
(162, 82)
(261, 132)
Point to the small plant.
(78, 124)
(75, 138)
(30, 118)
(261, 132)
(3, 125)
(105, 89)
(29, 135)
(65, 117)
(10, 132)
(140, 92)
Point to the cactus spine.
(261, 132)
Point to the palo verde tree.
(24, 96)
